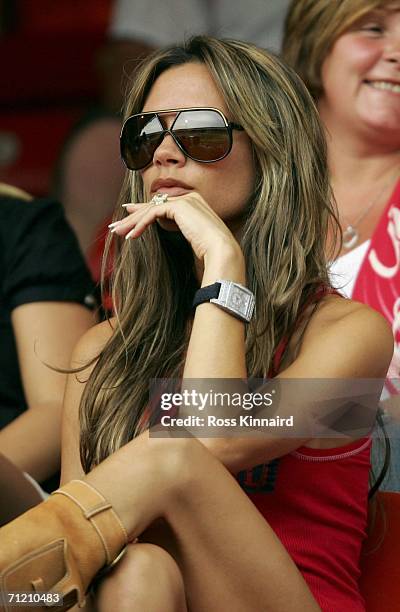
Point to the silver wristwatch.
(230, 296)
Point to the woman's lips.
(172, 191)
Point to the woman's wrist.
(225, 263)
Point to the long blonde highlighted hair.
(283, 241)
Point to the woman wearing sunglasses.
(226, 204)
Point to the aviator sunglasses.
(203, 134)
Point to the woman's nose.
(168, 152)
(392, 51)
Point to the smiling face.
(361, 77)
(227, 184)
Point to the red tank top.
(316, 501)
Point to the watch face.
(236, 299)
(239, 299)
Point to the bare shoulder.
(348, 337)
(92, 342)
(345, 313)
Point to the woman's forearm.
(217, 343)
(32, 441)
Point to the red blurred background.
(48, 79)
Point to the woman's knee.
(145, 578)
(184, 462)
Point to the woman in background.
(46, 304)
(348, 54)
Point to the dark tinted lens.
(204, 144)
(140, 137)
(203, 134)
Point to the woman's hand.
(203, 229)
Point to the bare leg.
(155, 583)
(228, 555)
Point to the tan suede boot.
(58, 547)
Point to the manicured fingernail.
(114, 224)
(125, 205)
(129, 234)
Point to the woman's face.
(361, 76)
(226, 185)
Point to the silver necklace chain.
(351, 234)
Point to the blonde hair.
(311, 29)
(283, 240)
